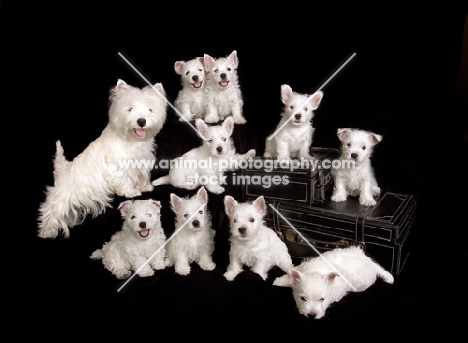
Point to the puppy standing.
(132, 247)
(316, 285)
(356, 177)
(223, 93)
(190, 101)
(252, 243)
(294, 133)
(206, 164)
(86, 185)
(195, 241)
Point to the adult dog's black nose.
(297, 116)
(141, 122)
(142, 225)
(354, 155)
(195, 78)
(242, 230)
(196, 223)
(219, 149)
(223, 76)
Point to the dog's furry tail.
(163, 180)
(97, 254)
(60, 159)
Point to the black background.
(60, 61)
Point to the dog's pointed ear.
(233, 58)
(124, 207)
(179, 67)
(295, 277)
(159, 87)
(156, 203)
(228, 125)
(315, 99)
(202, 194)
(201, 126)
(208, 60)
(229, 204)
(260, 205)
(330, 277)
(175, 202)
(286, 93)
(375, 138)
(343, 134)
(120, 86)
(201, 60)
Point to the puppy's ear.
(330, 277)
(159, 87)
(201, 126)
(228, 125)
(201, 60)
(286, 93)
(375, 138)
(175, 202)
(156, 203)
(295, 277)
(315, 99)
(179, 67)
(343, 134)
(202, 194)
(260, 205)
(124, 207)
(208, 61)
(233, 58)
(229, 204)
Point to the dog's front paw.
(147, 188)
(239, 120)
(338, 197)
(145, 272)
(207, 265)
(158, 265)
(132, 193)
(122, 273)
(367, 201)
(282, 281)
(216, 189)
(211, 119)
(182, 270)
(376, 191)
(230, 275)
(251, 153)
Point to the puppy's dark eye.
(149, 215)
(229, 69)
(291, 107)
(306, 109)
(234, 220)
(224, 139)
(322, 300)
(200, 69)
(216, 70)
(130, 109)
(200, 212)
(132, 217)
(251, 220)
(150, 110)
(348, 145)
(185, 215)
(363, 147)
(210, 141)
(187, 73)
(303, 298)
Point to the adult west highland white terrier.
(356, 177)
(195, 240)
(86, 185)
(252, 243)
(206, 164)
(140, 245)
(190, 101)
(223, 93)
(294, 133)
(316, 285)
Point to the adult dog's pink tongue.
(144, 233)
(197, 84)
(224, 83)
(140, 132)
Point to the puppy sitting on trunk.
(140, 245)
(252, 243)
(355, 176)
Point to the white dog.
(223, 93)
(294, 133)
(206, 164)
(252, 243)
(355, 177)
(195, 240)
(140, 245)
(316, 285)
(190, 101)
(86, 185)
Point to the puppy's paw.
(376, 191)
(131, 193)
(239, 120)
(211, 119)
(147, 188)
(338, 197)
(251, 153)
(145, 272)
(230, 275)
(207, 265)
(122, 273)
(158, 265)
(282, 281)
(367, 201)
(182, 270)
(216, 189)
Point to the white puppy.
(206, 164)
(86, 185)
(223, 93)
(355, 176)
(195, 240)
(140, 245)
(190, 101)
(316, 285)
(294, 133)
(252, 243)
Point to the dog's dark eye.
(291, 107)
(149, 215)
(200, 212)
(234, 220)
(216, 70)
(349, 145)
(251, 220)
(185, 215)
(303, 298)
(363, 147)
(306, 109)
(224, 139)
(133, 217)
(130, 109)
(210, 141)
(200, 69)
(229, 69)
(187, 73)
(150, 110)
(322, 300)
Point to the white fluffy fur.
(86, 185)
(195, 240)
(216, 155)
(223, 93)
(316, 285)
(356, 145)
(132, 248)
(252, 243)
(294, 139)
(190, 101)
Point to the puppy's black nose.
(223, 76)
(196, 223)
(142, 225)
(141, 122)
(242, 230)
(354, 155)
(297, 116)
(195, 78)
(219, 149)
